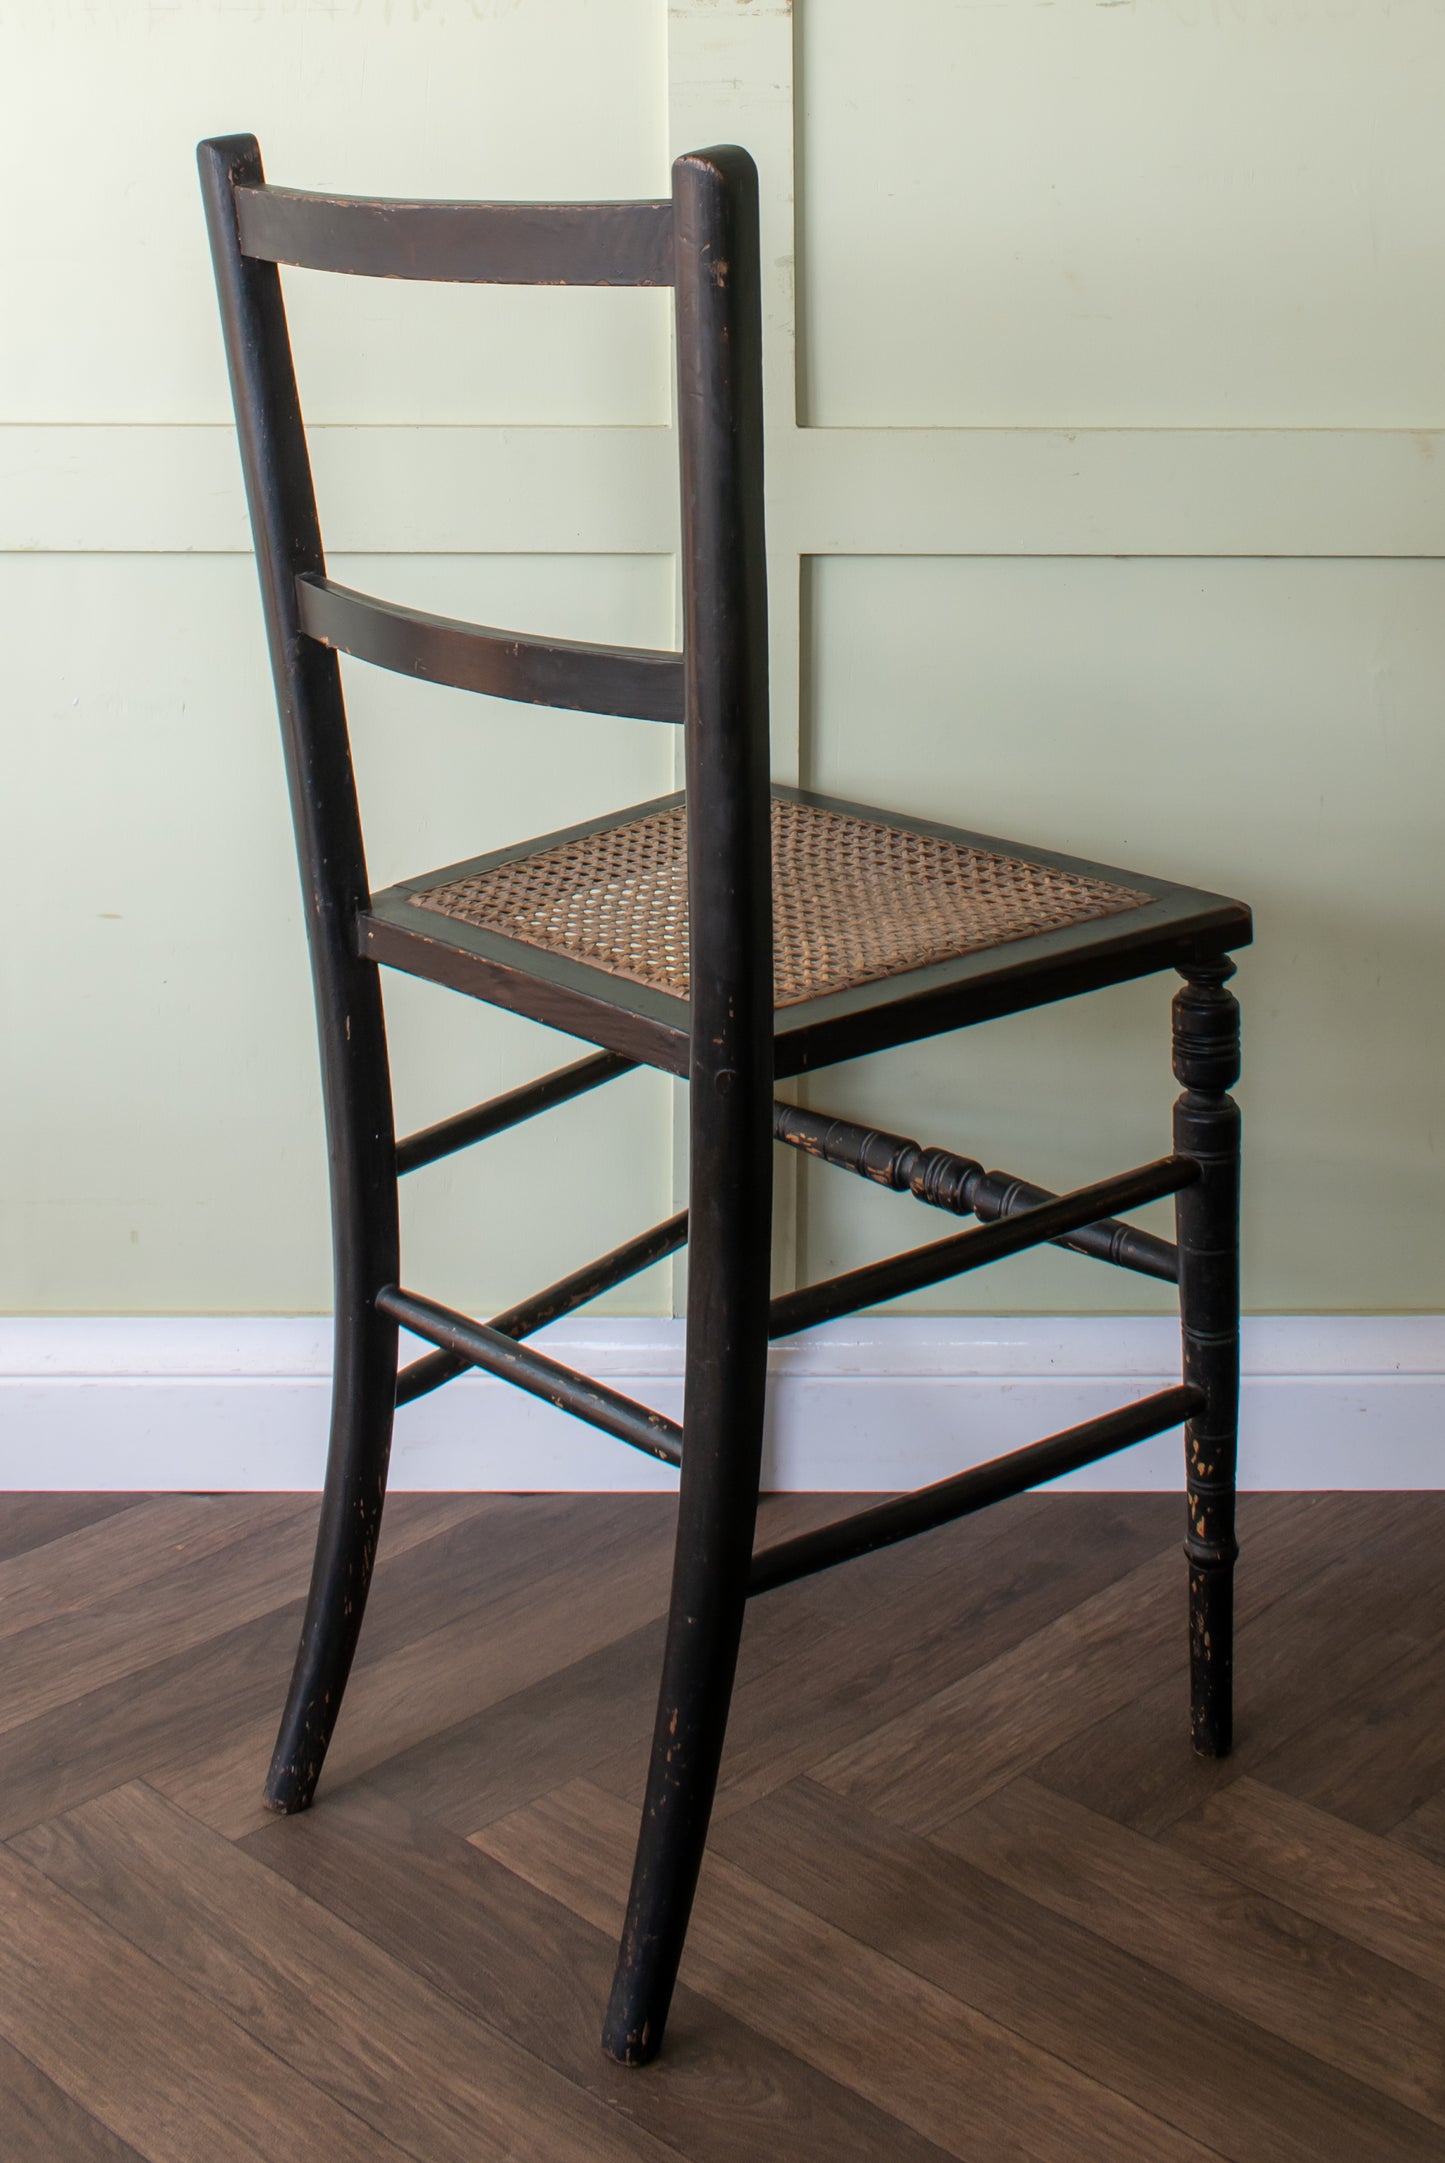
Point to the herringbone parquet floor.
(968, 1893)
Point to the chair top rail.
(459, 243)
(635, 681)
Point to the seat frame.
(655, 1026)
(725, 1038)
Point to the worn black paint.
(459, 243)
(964, 1251)
(1206, 1127)
(431, 1144)
(355, 1075)
(562, 1298)
(647, 1023)
(720, 426)
(630, 680)
(726, 1039)
(927, 1508)
(959, 1185)
(478, 1344)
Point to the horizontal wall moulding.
(833, 491)
(875, 1405)
(391, 491)
(1114, 491)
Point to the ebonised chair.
(733, 935)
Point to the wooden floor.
(968, 1895)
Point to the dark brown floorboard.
(969, 1894)
(99, 1561)
(955, 1601)
(928, 2058)
(190, 1702)
(1358, 1884)
(1188, 1919)
(1378, 1754)
(1423, 1829)
(28, 1521)
(531, 1968)
(155, 2060)
(1199, 2064)
(1328, 1565)
(44, 2125)
(308, 1986)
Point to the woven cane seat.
(854, 899)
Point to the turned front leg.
(1206, 1128)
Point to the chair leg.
(363, 1393)
(1206, 1127)
(727, 1344)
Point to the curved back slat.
(642, 684)
(459, 243)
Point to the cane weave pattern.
(854, 900)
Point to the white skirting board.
(1348, 1401)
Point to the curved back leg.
(350, 1023)
(727, 1347)
(719, 343)
(363, 1387)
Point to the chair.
(731, 935)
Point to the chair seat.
(862, 899)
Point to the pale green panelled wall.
(1116, 522)
(163, 1141)
(1123, 213)
(166, 1151)
(1271, 729)
(1189, 215)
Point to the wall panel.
(1114, 520)
(1185, 213)
(1268, 728)
(102, 106)
(163, 1148)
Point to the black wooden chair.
(732, 935)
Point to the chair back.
(703, 242)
